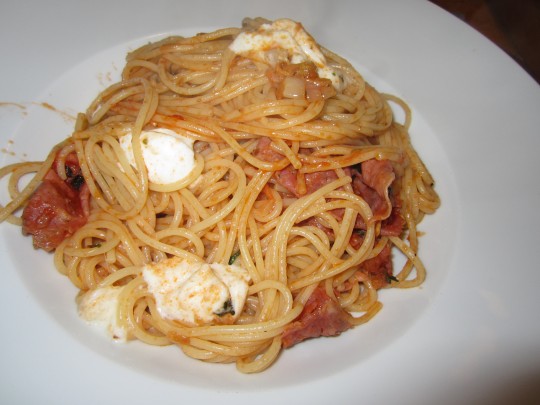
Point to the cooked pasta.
(297, 184)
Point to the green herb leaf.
(361, 232)
(234, 256)
(227, 308)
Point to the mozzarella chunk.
(168, 156)
(197, 293)
(99, 307)
(287, 35)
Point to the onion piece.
(293, 87)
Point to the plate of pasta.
(232, 201)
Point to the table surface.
(511, 24)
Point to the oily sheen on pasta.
(235, 193)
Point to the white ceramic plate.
(468, 334)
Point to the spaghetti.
(300, 176)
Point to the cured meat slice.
(57, 209)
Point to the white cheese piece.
(168, 156)
(197, 293)
(287, 35)
(236, 279)
(99, 308)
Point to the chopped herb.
(390, 278)
(360, 232)
(227, 308)
(74, 179)
(95, 245)
(77, 181)
(234, 257)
